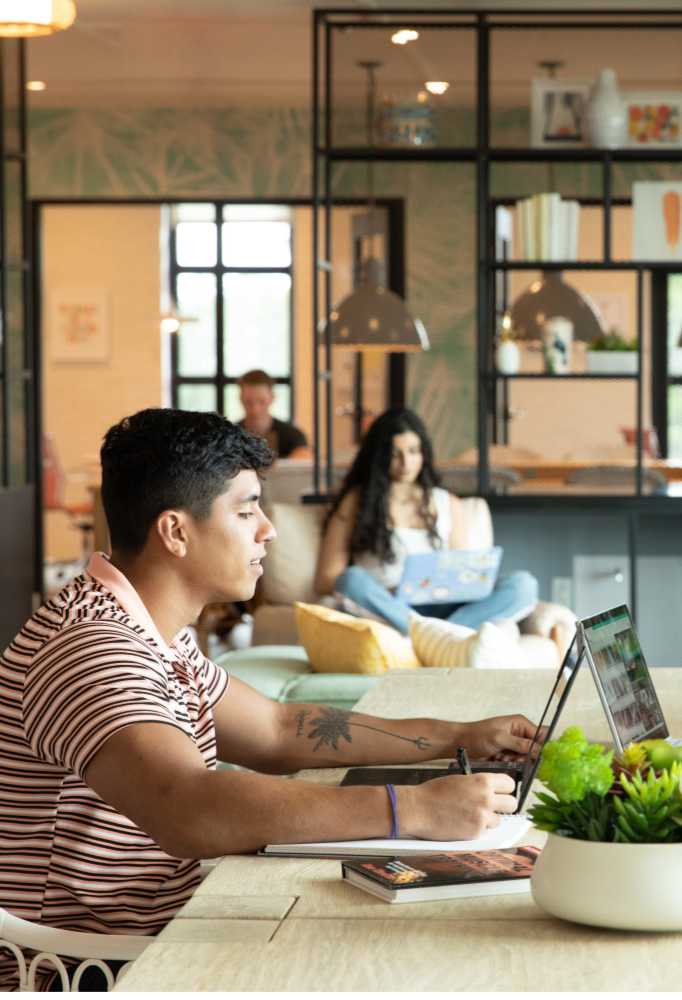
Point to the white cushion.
(439, 643)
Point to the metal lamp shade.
(31, 18)
(554, 297)
(374, 318)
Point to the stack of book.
(547, 228)
(446, 875)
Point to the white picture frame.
(653, 119)
(79, 326)
(557, 113)
(657, 221)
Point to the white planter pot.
(611, 362)
(630, 886)
(606, 115)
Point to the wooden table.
(539, 467)
(282, 924)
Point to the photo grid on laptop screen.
(623, 677)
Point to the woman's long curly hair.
(369, 475)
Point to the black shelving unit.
(492, 386)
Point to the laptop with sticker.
(449, 576)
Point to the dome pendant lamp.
(372, 317)
(31, 18)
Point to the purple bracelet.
(395, 825)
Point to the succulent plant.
(635, 798)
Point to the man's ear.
(171, 528)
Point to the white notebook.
(510, 830)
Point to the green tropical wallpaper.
(238, 152)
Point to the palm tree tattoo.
(333, 724)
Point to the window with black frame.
(667, 361)
(231, 270)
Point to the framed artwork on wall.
(557, 112)
(654, 118)
(657, 228)
(79, 325)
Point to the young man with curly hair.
(113, 720)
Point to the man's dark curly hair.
(369, 476)
(163, 459)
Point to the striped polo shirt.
(87, 664)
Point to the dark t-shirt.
(283, 438)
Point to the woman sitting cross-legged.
(390, 505)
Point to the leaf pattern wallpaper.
(265, 153)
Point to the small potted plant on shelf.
(613, 856)
(612, 354)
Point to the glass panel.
(257, 213)
(196, 244)
(194, 211)
(571, 437)
(408, 113)
(16, 383)
(675, 324)
(13, 213)
(257, 323)
(675, 421)
(257, 244)
(281, 406)
(197, 351)
(197, 397)
(11, 77)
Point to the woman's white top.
(406, 541)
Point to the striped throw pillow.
(439, 643)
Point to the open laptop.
(522, 770)
(449, 576)
(622, 678)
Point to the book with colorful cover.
(445, 875)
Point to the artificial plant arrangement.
(633, 797)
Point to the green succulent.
(651, 809)
(588, 803)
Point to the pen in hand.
(463, 761)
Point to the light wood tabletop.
(282, 924)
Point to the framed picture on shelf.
(654, 118)
(557, 112)
(657, 228)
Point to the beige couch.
(289, 572)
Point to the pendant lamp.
(31, 18)
(552, 296)
(372, 317)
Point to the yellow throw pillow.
(337, 643)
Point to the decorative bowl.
(629, 886)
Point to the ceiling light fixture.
(404, 35)
(437, 86)
(30, 18)
(36, 85)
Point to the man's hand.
(504, 737)
(456, 807)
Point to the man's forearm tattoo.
(334, 724)
(300, 719)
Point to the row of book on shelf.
(544, 227)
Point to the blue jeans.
(514, 596)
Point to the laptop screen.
(555, 703)
(622, 677)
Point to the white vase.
(606, 113)
(630, 886)
(507, 357)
